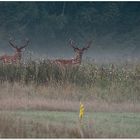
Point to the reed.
(109, 82)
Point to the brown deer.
(16, 58)
(78, 57)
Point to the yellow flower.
(81, 112)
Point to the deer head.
(19, 49)
(79, 51)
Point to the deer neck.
(78, 57)
(18, 55)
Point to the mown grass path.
(106, 124)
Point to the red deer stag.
(78, 57)
(16, 58)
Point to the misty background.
(114, 28)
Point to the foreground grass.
(44, 101)
(65, 124)
(23, 97)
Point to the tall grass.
(115, 82)
(86, 74)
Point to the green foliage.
(58, 19)
(115, 83)
(44, 72)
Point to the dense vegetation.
(84, 75)
(121, 81)
(110, 24)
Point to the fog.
(112, 26)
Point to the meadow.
(40, 99)
(57, 124)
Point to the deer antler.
(25, 45)
(88, 45)
(14, 46)
(72, 44)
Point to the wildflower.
(81, 112)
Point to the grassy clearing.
(44, 101)
(23, 97)
(96, 124)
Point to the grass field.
(40, 100)
(94, 124)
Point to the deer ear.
(84, 49)
(23, 49)
(27, 40)
(76, 49)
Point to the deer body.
(74, 61)
(8, 59)
(16, 57)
